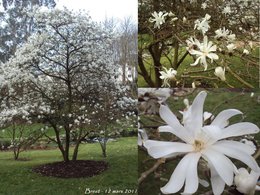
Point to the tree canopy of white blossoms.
(208, 142)
(66, 78)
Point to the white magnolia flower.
(193, 85)
(225, 33)
(207, 142)
(252, 94)
(167, 75)
(226, 10)
(245, 182)
(220, 73)
(191, 42)
(203, 24)
(184, 19)
(206, 49)
(246, 52)
(204, 5)
(221, 33)
(174, 18)
(171, 14)
(231, 37)
(231, 47)
(158, 18)
(186, 114)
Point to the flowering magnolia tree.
(15, 126)
(65, 76)
(206, 149)
(198, 43)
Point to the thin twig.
(199, 71)
(199, 77)
(239, 78)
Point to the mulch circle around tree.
(72, 169)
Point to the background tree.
(17, 24)
(15, 109)
(124, 46)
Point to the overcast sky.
(100, 9)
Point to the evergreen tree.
(16, 24)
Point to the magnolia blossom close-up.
(206, 49)
(208, 142)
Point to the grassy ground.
(216, 101)
(16, 177)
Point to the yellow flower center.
(205, 53)
(198, 145)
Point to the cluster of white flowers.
(203, 24)
(225, 34)
(226, 41)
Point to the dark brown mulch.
(72, 169)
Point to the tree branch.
(152, 169)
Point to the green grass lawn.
(216, 101)
(16, 177)
(6, 133)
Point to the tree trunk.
(16, 154)
(75, 152)
(67, 145)
(176, 54)
(104, 147)
(143, 70)
(76, 149)
(58, 141)
(156, 52)
(70, 102)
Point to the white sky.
(100, 9)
